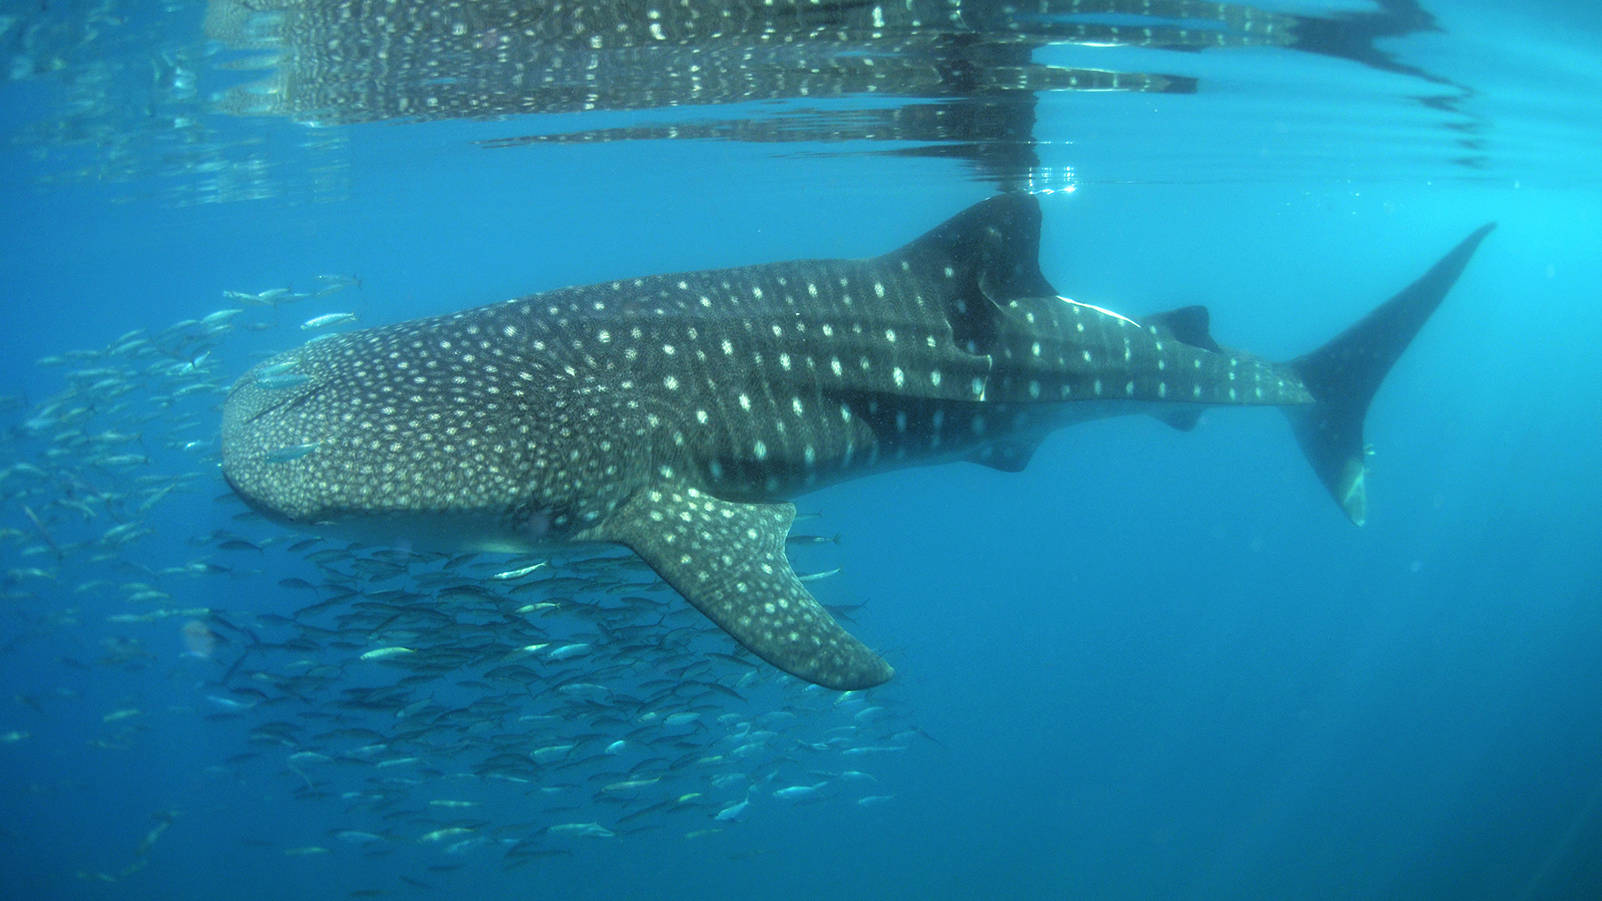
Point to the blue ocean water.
(1154, 664)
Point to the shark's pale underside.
(677, 414)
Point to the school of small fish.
(469, 708)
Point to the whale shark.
(678, 415)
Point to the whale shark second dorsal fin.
(1191, 325)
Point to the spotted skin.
(676, 414)
(728, 559)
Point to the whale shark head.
(429, 432)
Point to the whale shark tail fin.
(1345, 373)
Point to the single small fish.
(519, 572)
(797, 792)
(219, 317)
(110, 437)
(593, 830)
(413, 708)
(239, 544)
(382, 653)
(326, 320)
(733, 811)
(588, 690)
(124, 533)
(332, 282)
(570, 650)
(629, 785)
(191, 366)
(813, 577)
(397, 761)
(812, 539)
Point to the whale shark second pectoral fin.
(728, 560)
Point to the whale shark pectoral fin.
(727, 559)
(1010, 455)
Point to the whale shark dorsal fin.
(990, 253)
(996, 242)
(727, 559)
(1191, 325)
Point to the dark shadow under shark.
(677, 414)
